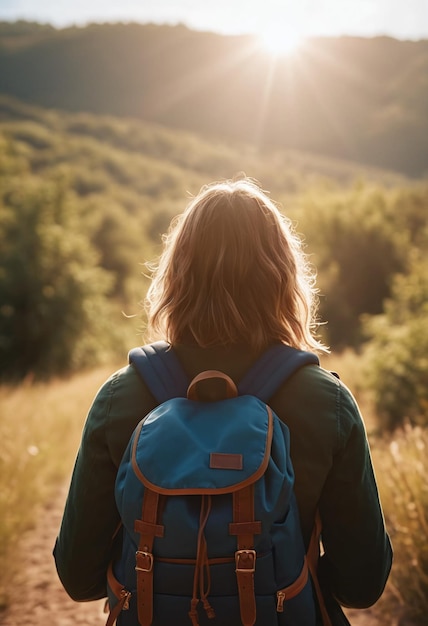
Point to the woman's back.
(232, 280)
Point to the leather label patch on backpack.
(221, 460)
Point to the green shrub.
(54, 313)
(397, 352)
(356, 248)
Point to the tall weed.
(402, 464)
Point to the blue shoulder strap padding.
(163, 373)
(161, 370)
(272, 369)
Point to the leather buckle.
(245, 560)
(141, 557)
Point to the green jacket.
(330, 455)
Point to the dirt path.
(38, 599)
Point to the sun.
(279, 41)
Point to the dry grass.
(402, 464)
(40, 428)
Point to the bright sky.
(404, 19)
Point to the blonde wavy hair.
(233, 272)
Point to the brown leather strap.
(245, 561)
(231, 390)
(148, 528)
(313, 556)
(121, 594)
(243, 518)
(116, 610)
(295, 588)
(245, 527)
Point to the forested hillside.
(84, 200)
(360, 99)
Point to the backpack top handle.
(231, 389)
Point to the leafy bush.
(398, 350)
(33, 134)
(54, 315)
(356, 247)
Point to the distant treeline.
(364, 100)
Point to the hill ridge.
(360, 99)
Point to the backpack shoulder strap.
(272, 369)
(159, 367)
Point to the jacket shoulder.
(119, 405)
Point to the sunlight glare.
(279, 41)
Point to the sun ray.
(279, 41)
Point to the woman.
(232, 281)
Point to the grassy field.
(40, 428)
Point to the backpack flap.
(187, 446)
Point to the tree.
(53, 308)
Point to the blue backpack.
(211, 531)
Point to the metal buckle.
(245, 560)
(139, 555)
